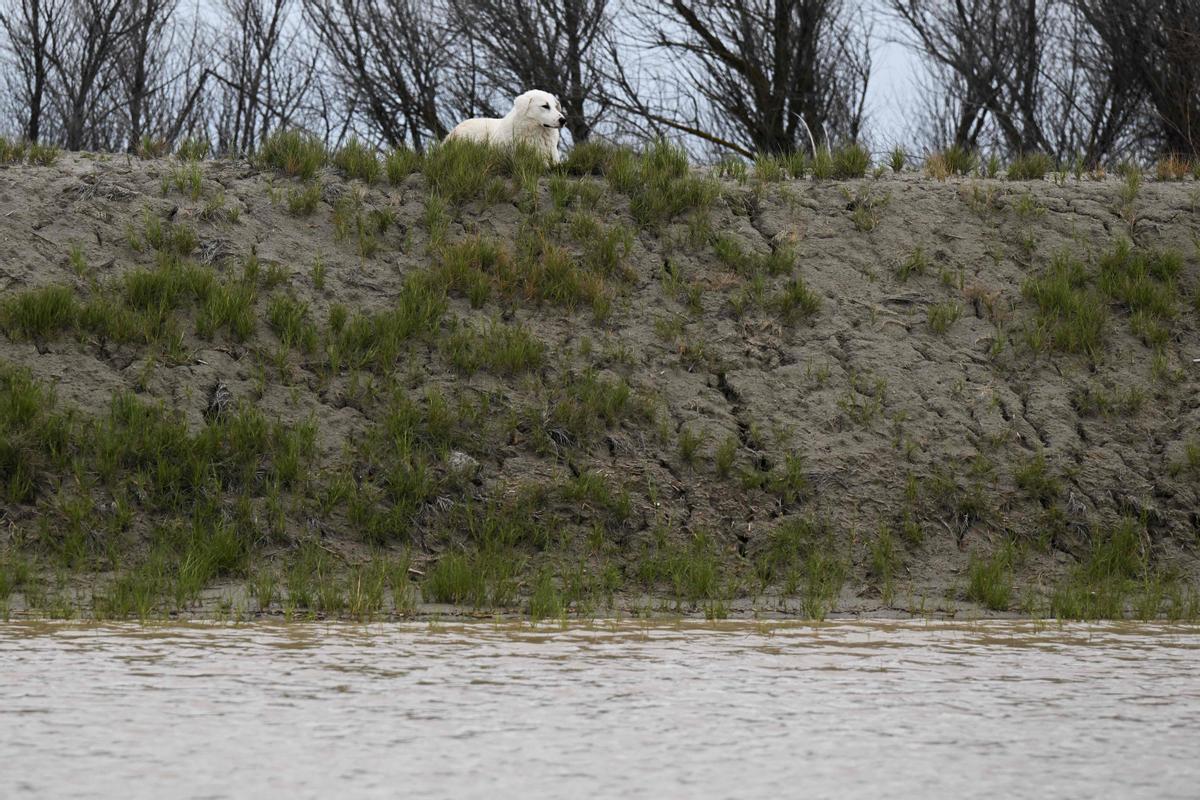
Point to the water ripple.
(617, 709)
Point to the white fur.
(536, 118)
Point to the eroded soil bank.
(225, 388)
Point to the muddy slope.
(911, 418)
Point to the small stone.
(459, 461)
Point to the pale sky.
(892, 96)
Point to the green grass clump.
(605, 248)
(39, 313)
(1074, 304)
(228, 305)
(15, 151)
(1071, 316)
(851, 161)
(187, 180)
(499, 349)
(358, 161)
(42, 155)
(193, 149)
(353, 219)
(768, 168)
(954, 160)
(583, 404)
(692, 569)
(1190, 463)
(1101, 401)
(293, 152)
(541, 272)
(897, 159)
(480, 579)
(1099, 587)
(302, 202)
(1142, 282)
(799, 557)
(167, 286)
(456, 578)
(795, 302)
(168, 238)
(591, 157)
(1035, 480)
(689, 445)
(461, 171)
(1030, 167)
(725, 456)
(942, 316)
(33, 435)
(989, 580)
(546, 601)
(12, 151)
(884, 562)
(376, 340)
(289, 318)
(658, 181)
(476, 267)
(400, 163)
(779, 261)
(915, 264)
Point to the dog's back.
(479, 129)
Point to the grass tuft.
(294, 153)
(358, 161)
(1030, 167)
(989, 580)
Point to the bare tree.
(1022, 75)
(1091, 105)
(29, 26)
(755, 74)
(554, 45)
(1157, 43)
(82, 52)
(391, 57)
(143, 65)
(268, 71)
(986, 55)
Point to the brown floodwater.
(996, 709)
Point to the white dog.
(536, 118)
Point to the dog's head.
(541, 108)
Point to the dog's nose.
(561, 119)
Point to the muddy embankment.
(227, 388)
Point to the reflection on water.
(848, 709)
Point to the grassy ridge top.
(342, 384)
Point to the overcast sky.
(892, 97)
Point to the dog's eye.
(545, 105)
